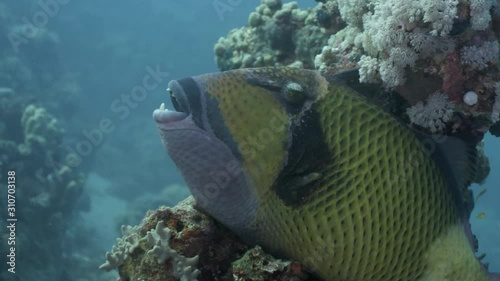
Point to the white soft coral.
(480, 56)
(432, 115)
(441, 14)
(394, 34)
(480, 13)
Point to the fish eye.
(294, 93)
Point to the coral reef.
(37, 97)
(182, 243)
(418, 48)
(277, 34)
(415, 48)
(29, 145)
(158, 240)
(41, 130)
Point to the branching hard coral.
(159, 239)
(432, 115)
(126, 245)
(114, 259)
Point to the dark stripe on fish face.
(191, 96)
(218, 126)
(186, 97)
(307, 157)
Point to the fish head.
(231, 134)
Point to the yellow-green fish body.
(313, 171)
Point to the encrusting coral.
(257, 265)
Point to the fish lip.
(167, 117)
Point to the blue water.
(107, 48)
(487, 229)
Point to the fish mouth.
(169, 119)
(178, 97)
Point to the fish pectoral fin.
(299, 181)
(458, 161)
(295, 188)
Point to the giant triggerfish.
(312, 170)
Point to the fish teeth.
(162, 106)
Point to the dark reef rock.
(211, 251)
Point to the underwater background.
(75, 73)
